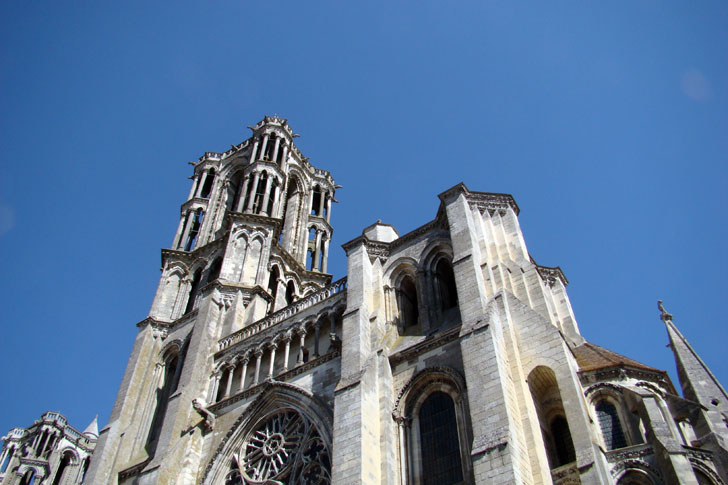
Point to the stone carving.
(664, 316)
(202, 410)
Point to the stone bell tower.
(253, 237)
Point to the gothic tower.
(253, 238)
(446, 356)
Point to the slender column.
(317, 251)
(332, 332)
(402, 428)
(193, 189)
(215, 386)
(322, 201)
(180, 228)
(244, 361)
(287, 340)
(253, 190)
(316, 327)
(262, 148)
(258, 357)
(229, 383)
(302, 334)
(188, 227)
(328, 209)
(254, 151)
(266, 195)
(276, 195)
(203, 179)
(284, 158)
(273, 347)
(243, 192)
(275, 149)
(325, 261)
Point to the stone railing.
(283, 314)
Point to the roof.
(593, 357)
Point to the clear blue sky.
(608, 123)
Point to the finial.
(664, 316)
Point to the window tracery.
(285, 447)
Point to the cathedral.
(446, 356)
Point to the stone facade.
(50, 451)
(447, 355)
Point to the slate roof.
(593, 357)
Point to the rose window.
(286, 448)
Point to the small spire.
(93, 427)
(664, 316)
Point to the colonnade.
(251, 359)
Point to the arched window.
(29, 477)
(223, 384)
(66, 460)
(205, 193)
(407, 302)
(269, 209)
(610, 425)
(290, 292)
(195, 229)
(193, 291)
(555, 430)
(270, 147)
(445, 285)
(275, 275)
(562, 441)
(234, 188)
(6, 461)
(214, 271)
(316, 201)
(635, 477)
(260, 193)
(167, 386)
(441, 461)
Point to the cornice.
(490, 201)
(426, 345)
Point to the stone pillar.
(284, 158)
(258, 357)
(229, 383)
(193, 189)
(263, 209)
(215, 385)
(263, 147)
(254, 151)
(187, 226)
(242, 194)
(328, 209)
(402, 428)
(275, 149)
(302, 333)
(271, 367)
(322, 201)
(317, 251)
(244, 361)
(287, 340)
(203, 179)
(325, 261)
(276, 195)
(316, 327)
(253, 191)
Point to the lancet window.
(407, 303)
(66, 461)
(208, 180)
(29, 477)
(194, 230)
(6, 459)
(610, 425)
(194, 287)
(170, 372)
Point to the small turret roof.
(93, 427)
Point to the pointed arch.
(282, 402)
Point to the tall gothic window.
(441, 462)
(193, 291)
(207, 188)
(561, 435)
(407, 301)
(8, 456)
(445, 281)
(610, 425)
(167, 387)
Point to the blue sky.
(608, 123)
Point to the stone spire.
(697, 381)
(92, 430)
(701, 386)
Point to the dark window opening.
(207, 188)
(28, 478)
(562, 441)
(195, 230)
(222, 385)
(65, 461)
(169, 385)
(269, 209)
(234, 478)
(273, 286)
(446, 285)
(235, 187)
(290, 292)
(270, 147)
(193, 291)
(441, 462)
(408, 310)
(610, 425)
(8, 457)
(260, 193)
(214, 271)
(316, 204)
